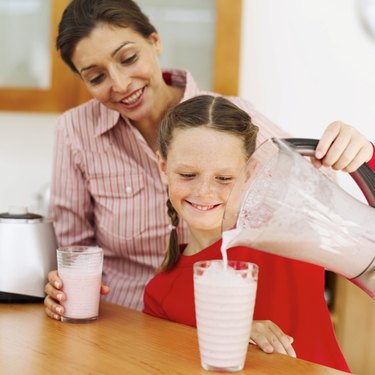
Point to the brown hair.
(214, 112)
(80, 17)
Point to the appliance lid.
(19, 215)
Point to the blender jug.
(283, 205)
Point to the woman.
(106, 188)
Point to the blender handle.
(364, 176)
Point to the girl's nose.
(205, 187)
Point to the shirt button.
(128, 190)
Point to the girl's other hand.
(270, 338)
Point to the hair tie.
(171, 227)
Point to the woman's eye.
(129, 59)
(96, 80)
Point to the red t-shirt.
(290, 293)
(371, 162)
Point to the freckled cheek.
(225, 192)
(178, 190)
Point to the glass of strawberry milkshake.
(80, 269)
(224, 303)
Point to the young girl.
(203, 145)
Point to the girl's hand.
(55, 295)
(343, 148)
(270, 338)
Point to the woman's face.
(121, 69)
(201, 168)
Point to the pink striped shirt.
(106, 190)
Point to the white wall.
(26, 146)
(304, 64)
(307, 63)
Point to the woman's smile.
(134, 99)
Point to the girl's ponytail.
(173, 251)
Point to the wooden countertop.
(121, 341)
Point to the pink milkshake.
(224, 303)
(80, 269)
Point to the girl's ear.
(162, 164)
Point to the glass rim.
(200, 263)
(79, 249)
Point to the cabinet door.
(61, 91)
(354, 313)
(65, 89)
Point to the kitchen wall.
(26, 144)
(307, 63)
(303, 64)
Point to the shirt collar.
(107, 119)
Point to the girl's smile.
(203, 207)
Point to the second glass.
(80, 269)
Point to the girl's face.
(121, 69)
(201, 168)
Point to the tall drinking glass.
(224, 304)
(80, 269)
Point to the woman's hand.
(343, 148)
(270, 338)
(55, 295)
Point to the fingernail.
(59, 310)
(57, 317)
(57, 284)
(59, 296)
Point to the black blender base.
(18, 298)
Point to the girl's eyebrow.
(219, 170)
(112, 55)
(183, 165)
